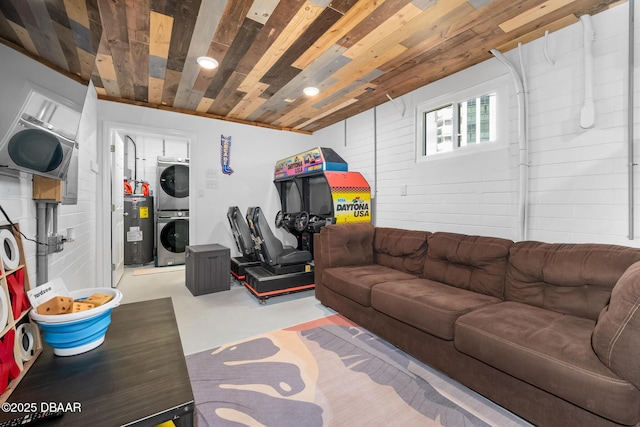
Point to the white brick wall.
(76, 264)
(578, 177)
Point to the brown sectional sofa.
(549, 331)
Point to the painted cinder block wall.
(76, 264)
(578, 177)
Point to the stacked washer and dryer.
(172, 210)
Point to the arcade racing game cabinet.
(315, 189)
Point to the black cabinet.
(207, 268)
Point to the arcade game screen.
(319, 194)
(292, 202)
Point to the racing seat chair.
(244, 242)
(269, 248)
(241, 233)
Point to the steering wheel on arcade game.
(279, 219)
(302, 221)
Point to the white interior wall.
(578, 177)
(254, 152)
(76, 263)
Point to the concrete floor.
(208, 321)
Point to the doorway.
(130, 153)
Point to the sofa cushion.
(356, 282)
(346, 244)
(427, 305)
(574, 279)
(476, 263)
(549, 350)
(616, 337)
(404, 250)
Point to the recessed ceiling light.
(207, 62)
(311, 91)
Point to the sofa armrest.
(340, 245)
(616, 336)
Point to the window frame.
(498, 85)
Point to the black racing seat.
(269, 248)
(241, 233)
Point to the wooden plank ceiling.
(355, 51)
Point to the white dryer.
(172, 184)
(172, 237)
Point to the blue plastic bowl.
(71, 338)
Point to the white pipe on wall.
(522, 146)
(545, 49)
(374, 196)
(588, 111)
(630, 123)
(42, 259)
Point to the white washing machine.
(172, 184)
(172, 237)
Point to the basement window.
(463, 121)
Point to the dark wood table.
(138, 376)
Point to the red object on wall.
(127, 187)
(145, 189)
(9, 369)
(19, 301)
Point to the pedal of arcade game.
(283, 269)
(244, 243)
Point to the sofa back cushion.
(572, 279)
(403, 250)
(345, 244)
(616, 337)
(476, 263)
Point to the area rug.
(329, 372)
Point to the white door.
(117, 208)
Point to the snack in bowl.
(56, 305)
(98, 299)
(81, 306)
(65, 305)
